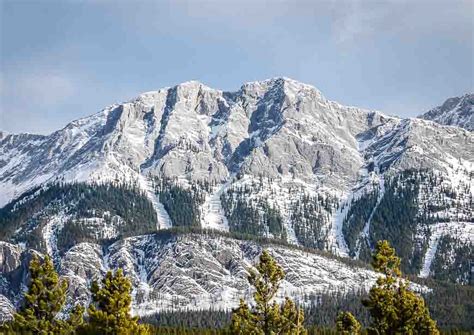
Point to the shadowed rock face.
(9, 257)
(457, 111)
(14, 262)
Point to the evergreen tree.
(244, 321)
(291, 319)
(42, 303)
(109, 312)
(393, 308)
(76, 318)
(267, 317)
(347, 324)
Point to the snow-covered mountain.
(456, 111)
(196, 133)
(273, 159)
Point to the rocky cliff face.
(275, 128)
(191, 271)
(273, 159)
(456, 111)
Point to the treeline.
(310, 215)
(357, 216)
(124, 207)
(453, 261)
(323, 311)
(395, 218)
(399, 218)
(182, 204)
(247, 215)
(126, 211)
(451, 305)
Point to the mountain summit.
(273, 160)
(457, 111)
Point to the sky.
(64, 59)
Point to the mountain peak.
(455, 111)
(284, 86)
(186, 85)
(191, 84)
(280, 81)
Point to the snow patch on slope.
(464, 231)
(213, 213)
(365, 231)
(336, 238)
(50, 234)
(164, 221)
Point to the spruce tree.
(347, 324)
(42, 303)
(267, 317)
(291, 319)
(109, 312)
(393, 307)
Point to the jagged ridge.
(277, 150)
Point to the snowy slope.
(191, 271)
